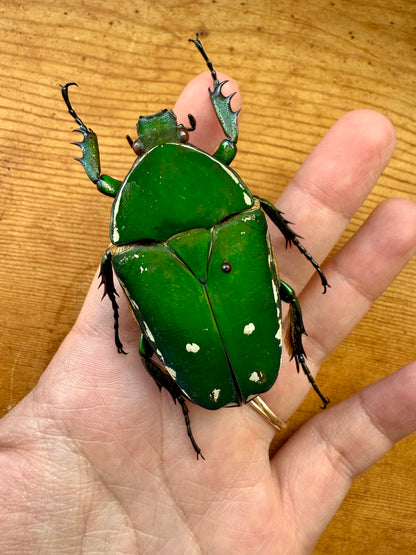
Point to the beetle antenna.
(198, 44)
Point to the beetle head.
(158, 129)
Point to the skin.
(95, 459)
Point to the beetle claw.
(162, 379)
(107, 280)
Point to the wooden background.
(300, 66)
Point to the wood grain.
(300, 65)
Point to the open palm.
(95, 459)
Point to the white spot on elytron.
(171, 371)
(215, 393)
(276, 297)
(116, 235)
(249, 328)
(275, 292)
(133, 303)
(257, 376)
(247, 199)
(192, 347)
(148, 332)
(254, 377)
(142, 269)
(278, 311)
(278, 336)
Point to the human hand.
(95, 459)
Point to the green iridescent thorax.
(158, 129)
(174, 188)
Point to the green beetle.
(191, 250)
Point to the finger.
(316, 466)
(359, 273)
(330, 187)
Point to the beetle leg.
(90, 159)
(162, 379)
(222, 106)
(291, 237)
(296, 331)
(106, 275)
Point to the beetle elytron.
(191, 250)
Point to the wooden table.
(300, 65)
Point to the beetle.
(190, 247)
